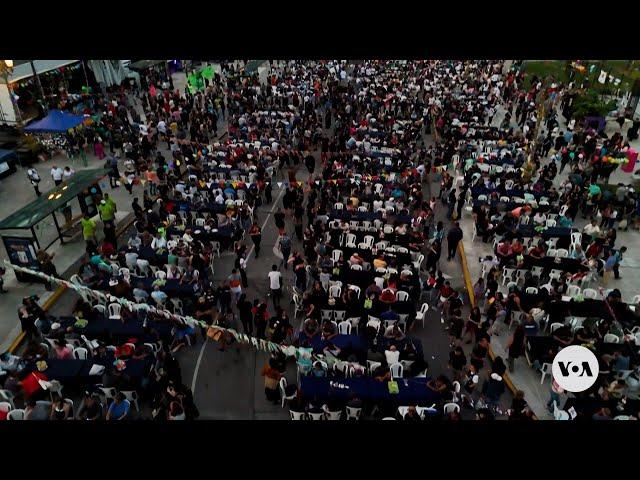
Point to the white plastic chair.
(317, 415)
(297, 415)
(353, 413)
(335, 291)
(590, 293)
(161, 274)
(101, 309)
(109, 393)
(611, 338)
(421, 314)
(8, 397)
(402, 296)
(114, 311)
(331, 416)
(351, 241)
(16, 414)
(450, 408)
(356, 289)
(545, 370)
(335, 254)
(326, 315)
(573, 291)
(562, 253)
(559, 414)
(551, 223)
(283, 392)
(555, 326)
(80, 353)
(344, 327)
(397, 370)
(531, 290)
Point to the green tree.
(591, 104)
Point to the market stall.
(51, 129)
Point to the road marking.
(273, 209)
(195, 372)
(197, 368)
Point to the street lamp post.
(6, 68)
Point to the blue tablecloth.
(133, 328)
(411, 392)
(78, 370)
(352, 342)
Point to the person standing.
(453, 238)
(285, 248)
(246, 316)
(275, 285)
(241, 265)
(89, 227)
(34, 178)
(57, 173)
(515, 346)
(114, 174)
(256, 237)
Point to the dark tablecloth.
(411, 391)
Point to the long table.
(411, 391)
(563, 234)
(77, 371)
(100, 325)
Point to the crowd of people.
(368, 270)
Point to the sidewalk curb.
(467, 280)
(52, 300)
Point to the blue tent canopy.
(56, 122)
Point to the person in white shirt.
(34, 178)
(592, 229)
(392, 355)
(219, 198)
(159, 242)
(68, 173)
(539, 218)
(57, 173)
(275, 285)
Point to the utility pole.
(37, 77)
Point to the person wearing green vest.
(107, 211)
(89, 230)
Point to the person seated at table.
(392, 355)
(379, 261)
(537, 251)
(563, 335)
(62, 351)
(621, 361)
(504, 252)
(332, 353)
(401, 229)
(394, 332)
(564, 222)
(328, 330)
(173, 273)
(539, 218)
(585, 334)
(356, 259)
(158, 295)
(190, 276)
(388, 296)
(91, 408)
(119, 408)
(592, 229)
(439, 385)
(372, 290)
(412, 415)
(60, 410)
